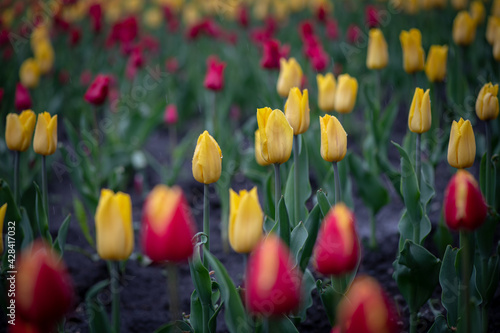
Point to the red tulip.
(321, 13)
(167, 229)
(319, 59)
(332, 29)
(337, 249)
(171, 116)
(272, 283)
(1, 95)
(214, 79)
(464, 205)
(172, 65)
(135, 61)
(353, 33)
(95, 13)
(22, 98)
(371, 16)
(74, 36)
(98, 91)
(23, 327)
(4, 37)
(44, 290)
(366, 309)
(272, 53)
(243, 17)
(306, 30)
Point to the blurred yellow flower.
(487, 102)
(464, 29)
(29, 73)
(290, 76)
(326, 92)
(413, 53)
(45, 140)
(19, 130)
(435, 67)
(258, 150)
(378, 55)
(346, 93)
(477, 12)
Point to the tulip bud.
(207, 163)
(297, 110)
(171, 116)
(167, 229)
(477, 12)
(464, 29)
(276, 135)
(435, 67)
(245, 220)
(496, 46)
(19, 130)
(290, 76)
(459, 4)
(98, 91)
(44, 56)
(272, 283)
(44, 289)
(214, 79)
(29, 73)
(462, 145)
(326, 92)
(419, 119)
(495, 8)
(366, 309)
(491, 28)
(153, 18)
(464, 204)
(45, 141)
(413, 53)
(258, 150)
(337, 249)
(487, 102)
(346, 93)
(411, 7)
(333, 139)
(22, 98)
(378, 54)
(3, 210)
(113, 225)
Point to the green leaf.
(329, 298)
(442, 237)
(406, 230)
(201, 278)
(282, 325)
(297, 241)
(81, 217)
(345, 183)
(312, 225)
(490, 274)
(427, 185)
(268, 224)
(25, 224)
(196, 315)
(60, 241)
(96, 312)
(6, 196)
(323, 202)
(440, 326)
(212, 323)
(269, 195)
(41, 216)
(450, 283)
(284, 222)
(308, 285)
(175, 327)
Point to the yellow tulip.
(207, 159)
(419, 119)
(29, 73)
(492, 29)
(487, 102)
(281, 10)
(261, 9)
(44, 56)
(477, 12)
(297, 110)
(464, 29)
(378, 54)
(190, 14)
(496, 46)
(258, 150)
(413, 53)
(40, 34)
(19, 130)
(495, 8)
(245, 220)
(153, 17)
(45, 141)
(440, 4)
(133, 6)
(3, 210)
(276, 135)
(462, 145)
(435, 67)
(113, 226)
(411, 6)
(290, 76)
(333, 139)
(346, 93)
(326, 92)
(459, 4)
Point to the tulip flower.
(462, 145)
(29, 73)
(98, 91)
(44, 291)
(496, 46)
(495, 8)
(333, 139)
(272, 53)
(337, 249)
(491, 28)
(245, 220)
(290, 76)
(366, 309)
(464, 204)
(153, 18)
(167, 230)
(413, 53)
(487, 102)
(477, 12)
(207, 163)
(276, 135)
(378, 54)
(3, 210)
(353, 33)
(297, 110)
(214, 79)
(19, 130)
(326, 92)
(459, 4)
(113, 225)
(258, 150)
(419, 118)
(22, 98)
(171, 116)
(272, 283)
(45, 141)
(44, 56)
(435, 67)
(464, 29)
(346, 93)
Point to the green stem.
(373, 237)
(466, 273)
(296, 178)
(277, 191)
(115, 292)
(45, 190)
(413, 321)
(206, 221)
(489, 180)
(173, 290)
(338, 193)
(17, 190)
(418, 166)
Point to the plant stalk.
(173, 290)
(338, 192)
(115, 292)
(206, 222)
(418, 167)
(45, 190)
(296, 178)
(277, 191)
(17, 190)
(413, 321)
(489, 181)
(466, 273)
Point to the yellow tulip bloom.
(40, 34)
(459, 4)
(462, 145)
(346, 93)
(153, 17)
(29, 73)
(245, 220)
(378, 54)
(495, 8)
(297, 110)
(290, 76)
(333, 139)
(44, 56)
(487, 102)
(464, 29)
(477, 12)
(3, 210)
(207, 159)
(113, 225)
(492, 29)
(326, 92)
(258, 150)
(419, 118)
(19, 130)
(435, 67)
(413, 53)
(276, 135)
(45, 141)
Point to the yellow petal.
(3, 210)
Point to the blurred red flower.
(98, 90)
(214, 79)
(22, 98)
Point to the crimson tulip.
(214, 79)
(98, 91)
(22, 98)
(171, 116)
(272, 52)
(95, 13)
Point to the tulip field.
(249, 166)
